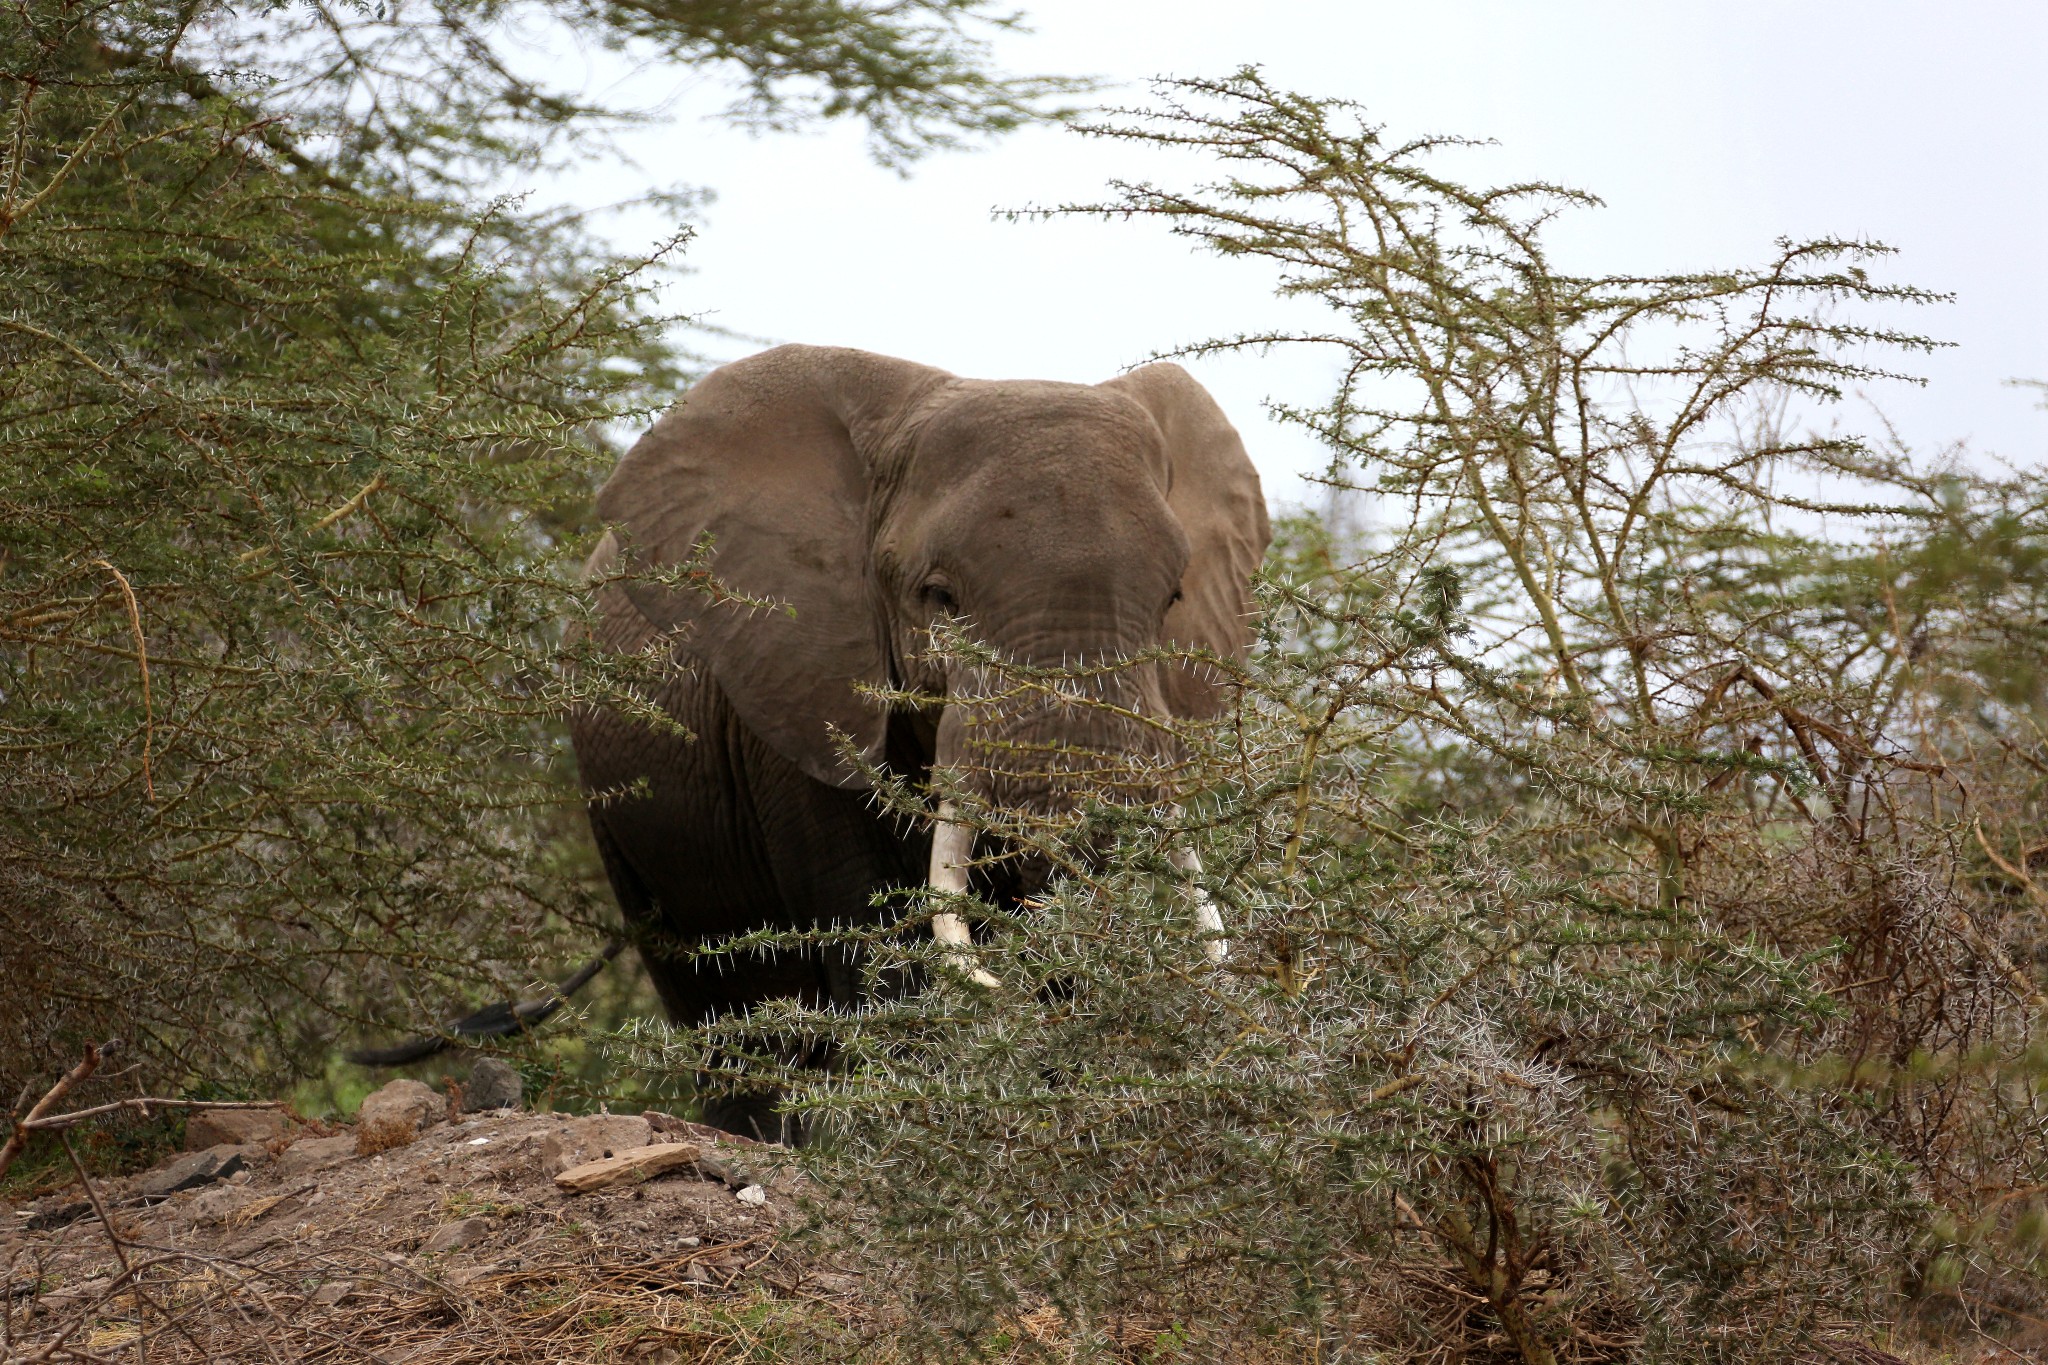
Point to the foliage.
(1631, 955)
(443, 94)
(297, 434)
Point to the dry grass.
(176, 1305)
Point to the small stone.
(731, 1175)
(403, 1103)
(188, 1172)
(71, 1295)
(831, 1282)
(315, 1154)
(57, 1211)
(492, 1084)
(209, 1208)
(577, 1141)
(450, 1236)
(253, 1154)
(752, 1194)
(218, 1127)
(671, 1126)
(633, 1163)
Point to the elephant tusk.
(952, 850)
(1207, 918)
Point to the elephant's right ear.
(770, 458)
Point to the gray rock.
(218, 1127)
(315, 1154)
(252, 1153)
(56, 1211)
(492, 1084)
(188, 1172)
(575, 1141)
(401, 1105)
(72, 1295)
(460, 1233)
(670, 1126)
(729, 1173)
(831, 1282)
(210, 1208)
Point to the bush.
(1626, 964)
(297, 438)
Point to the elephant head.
(867, 499)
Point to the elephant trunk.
(1033, 744)
(1039, 745)
(1033, 747)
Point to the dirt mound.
(462, 1243)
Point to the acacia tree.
(1618, 970)
(297, 430)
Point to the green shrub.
(1617, 972)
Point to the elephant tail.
(493, 1021)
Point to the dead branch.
(141, 1104)
(18, 1139)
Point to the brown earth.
(455, 1245)
(379, 1242)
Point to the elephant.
(849, 501)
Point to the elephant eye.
(939, 596)
(1173, 600)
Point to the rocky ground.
(416, 1236)
(429, 1232)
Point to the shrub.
(297, 436)
(1618, 969)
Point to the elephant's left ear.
(1216, 495)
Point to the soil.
(454, 1245)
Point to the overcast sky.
(1709, 129)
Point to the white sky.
(1709, 129)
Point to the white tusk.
(1207, 917)
(952, 851)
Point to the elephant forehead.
(1043, 424)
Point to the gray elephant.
(1060, 524)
